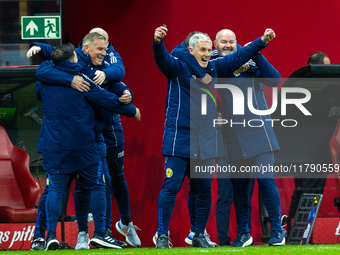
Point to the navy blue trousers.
(108, 193)
(90, 179)
(40, 223)
(115, 163)
(82, 201)
(223, 206)
(266, 184)
(225, 196)
(175, 171)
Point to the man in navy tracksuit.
(252, 145)
(91, 58)
(69, 137)
(114, 141)
(177, 53)
(112, 69)
(189, 136)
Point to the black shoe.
(51, 241)
(162, 242)
(200, 241)
(121, 243)
(104, 241)
(38, 244)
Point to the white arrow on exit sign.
(31, 26)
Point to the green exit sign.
(40, 27)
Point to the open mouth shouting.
(205, 61)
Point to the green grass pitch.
(263, 250)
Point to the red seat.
(18, 189)
(334, 145)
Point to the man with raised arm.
(189, 137)
(246, 146)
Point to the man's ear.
(215, 44)
(191, 50)
(86, 49)
(75, 58)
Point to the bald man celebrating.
(247, 146)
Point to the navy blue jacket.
(113, 132)
(54, 76)
(187, 133)
(69, 130)
(114, 68)
(245, 141)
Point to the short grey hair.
(196, 38)
(91, 37)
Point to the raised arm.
(43, 50)
(232, 62)
(166, 63)
(268, 74)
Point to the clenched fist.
(268, 35)
(160, 32)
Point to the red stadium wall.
(302, 27)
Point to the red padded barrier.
(19, 190)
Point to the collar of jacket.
(69, 67)
(182, 53)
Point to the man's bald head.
(319, 58)
(225, 32)
(100, 31)
(225, 42)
